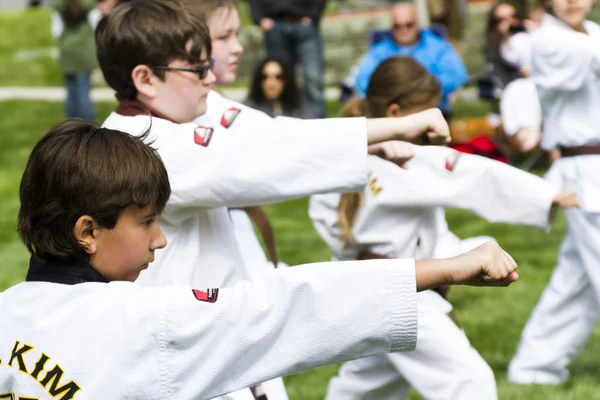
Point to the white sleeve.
(57, 26)
(442, 177)
(562, 59)
(520, 107)
(274, 160)
(293, 320)
(517, 50)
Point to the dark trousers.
(78, 102)
(296, 43)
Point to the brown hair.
(147, 32)
(347, 209)
(80, 169)
(205, 8)
(493, 37)
(398, 80)
(356, 106)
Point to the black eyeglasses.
(201, 71)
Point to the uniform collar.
(62, 272)
(133, 108)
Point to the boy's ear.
(143, 79)
(84, 233)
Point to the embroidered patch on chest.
(229, 116)
(207, 295)
(452, 160)
(202, 135)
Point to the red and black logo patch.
(452, 160)
(202, 135)
(229, 116)
(207, 295)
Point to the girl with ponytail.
(397, 216)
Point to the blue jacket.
(437, 55)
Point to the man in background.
(436, 54)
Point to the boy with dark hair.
(77, 328)
(156, 55)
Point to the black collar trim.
(62, 272)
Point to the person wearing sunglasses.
(274, 90)
(407, 38)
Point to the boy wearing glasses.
(436, 54)
(145, 51)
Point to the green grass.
(492, 318)
(24, 32)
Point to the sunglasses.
(408, 25)
(202, 71)
(279, 77)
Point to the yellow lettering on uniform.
(39, 366)
(375, 190)
(54, 376)
(28, 398)
(7, 396)
(18, 355)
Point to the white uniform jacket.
(399, 205)
(566, 72)
(120, 340)
(274, 160)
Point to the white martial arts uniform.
(274, 160)
(256, 264)
(517, 50)
(242, 157)
(566, 71)
(223, 113)
(397, 219)
(120, 340)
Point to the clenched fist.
(486, 265)
(430, 123)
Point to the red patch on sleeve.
(202, 135)
(207, 295)
(452, 160)
(229, 116)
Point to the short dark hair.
(80, 169)
(147, 32)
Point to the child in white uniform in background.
(396, 217)
(519, 104)
(566, 71)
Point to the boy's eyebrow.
(150, 215)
